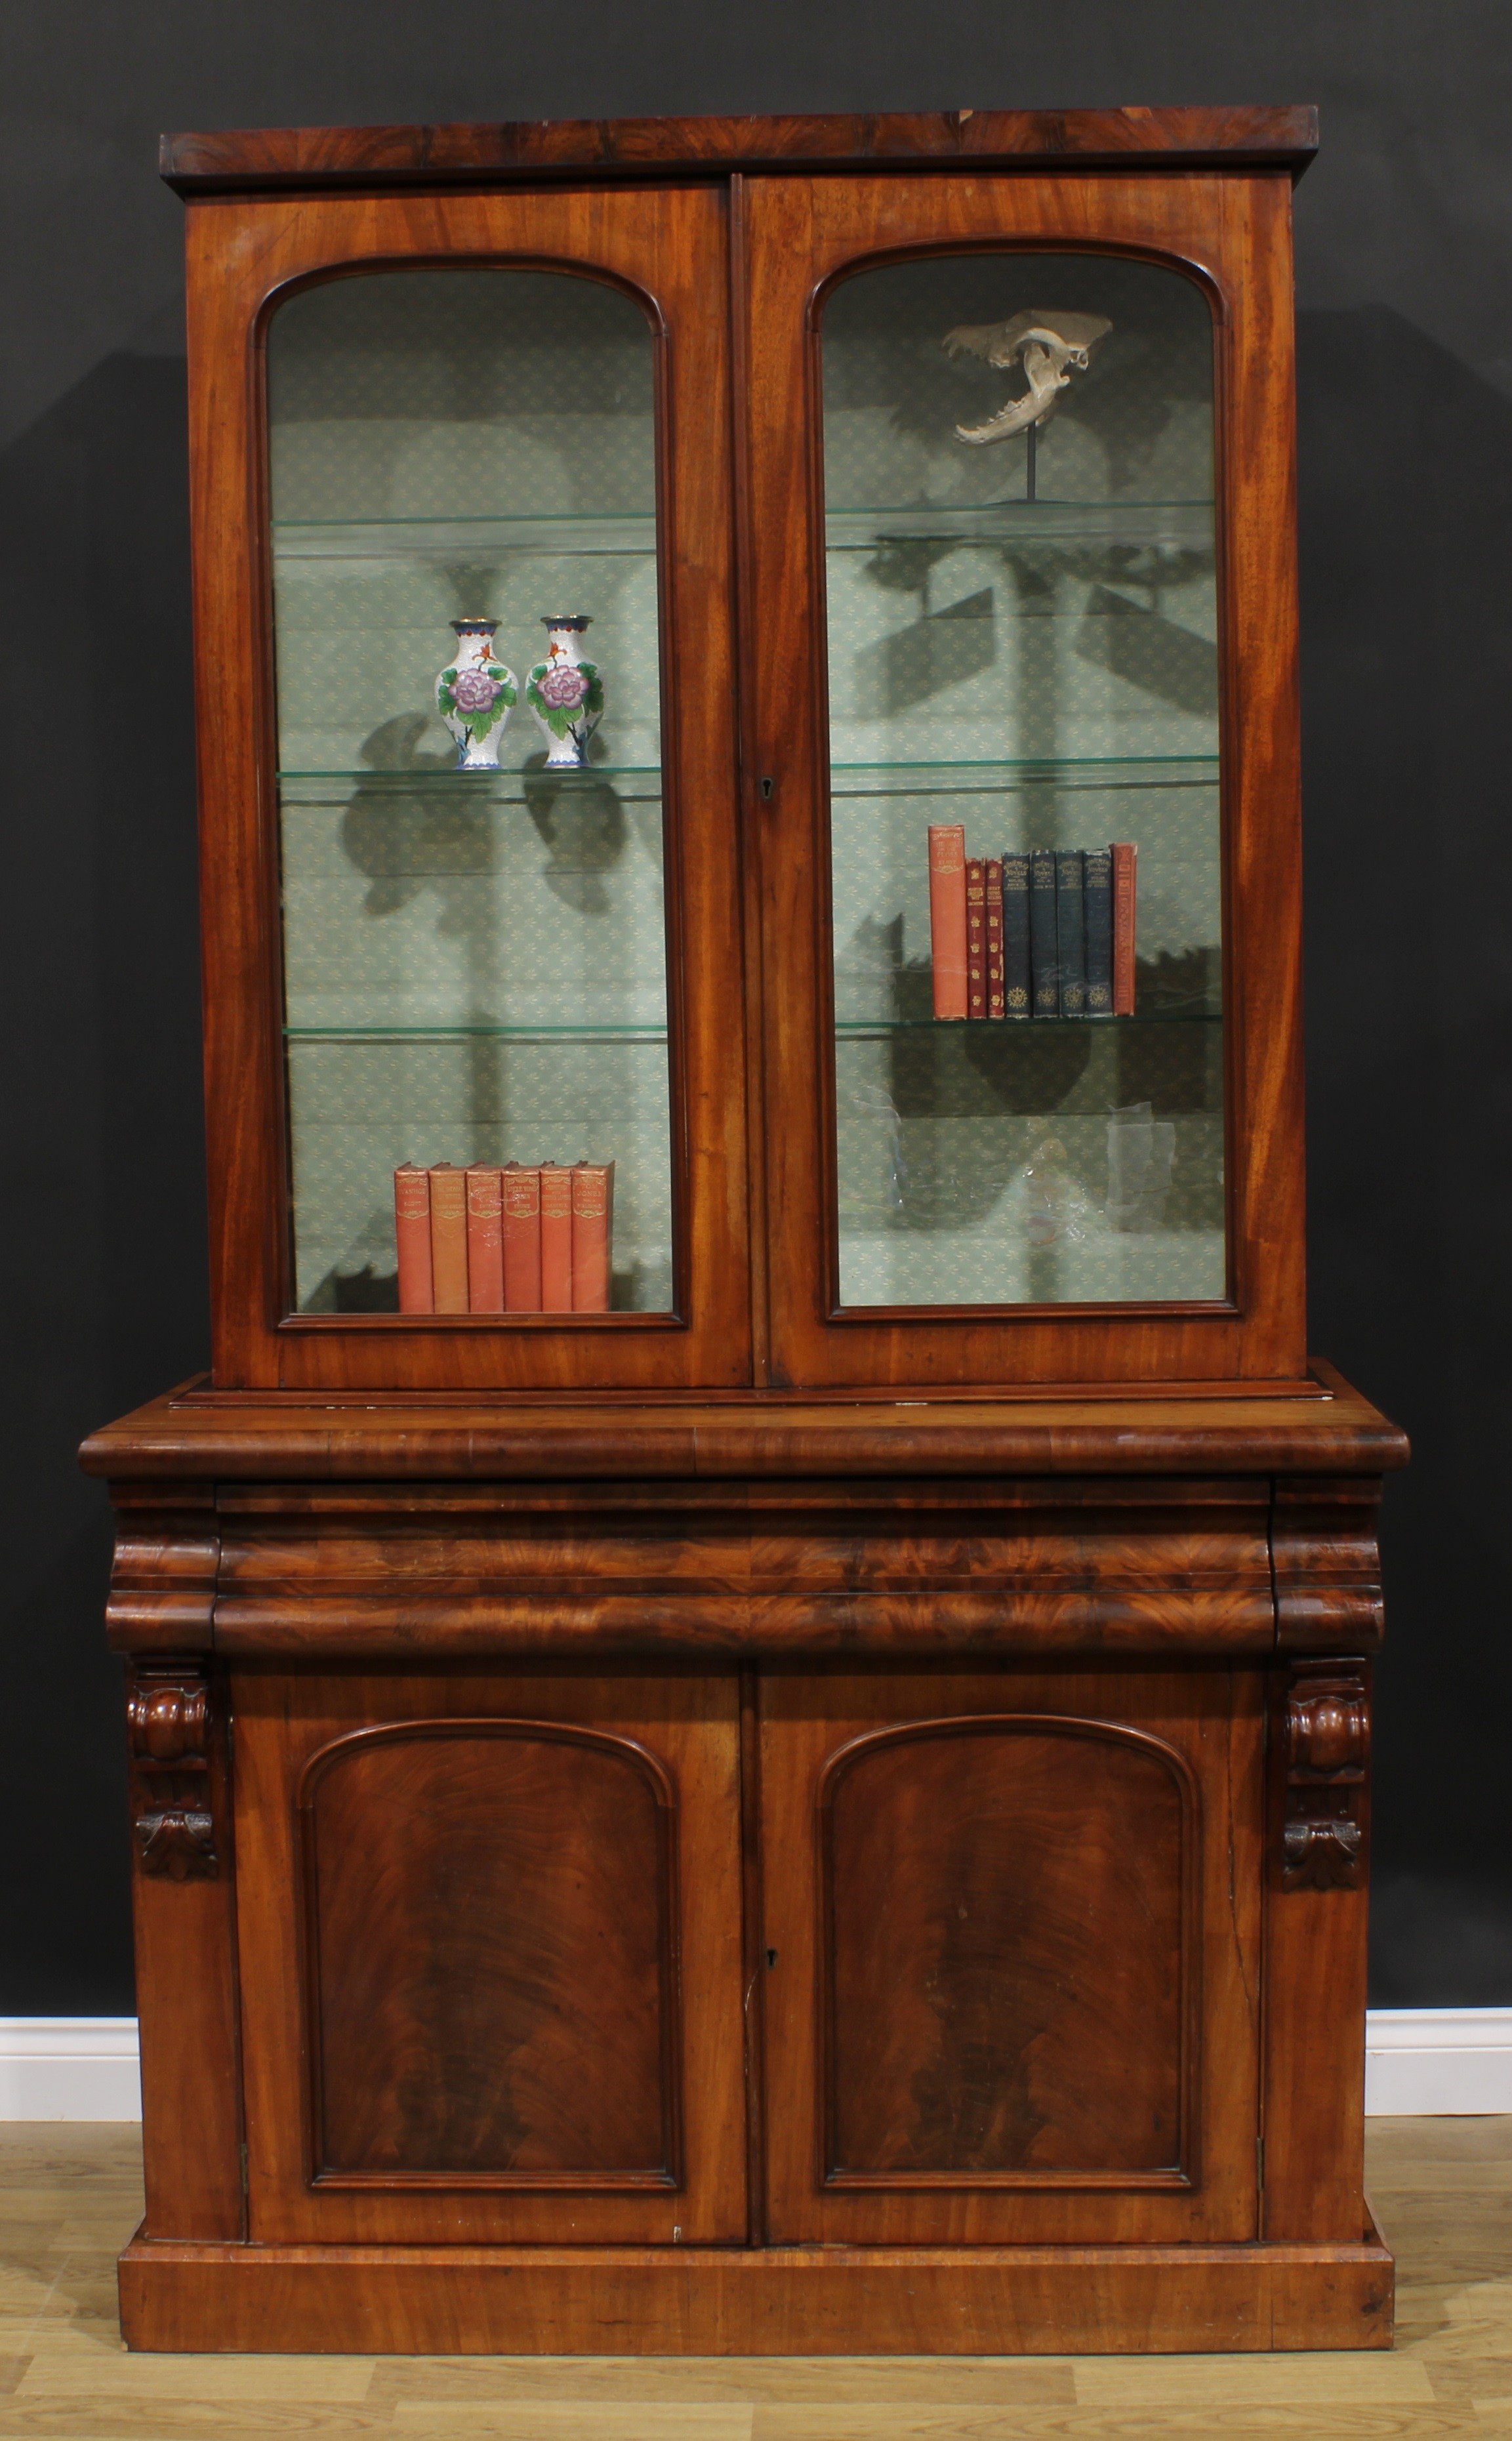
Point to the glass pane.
(463, 488)
(1023, 691)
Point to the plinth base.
(780, 2301)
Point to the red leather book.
(448, 1237)
(1125, 859)
(522, 1239)
(976, 938)
(412, 1229)
(556, 1238)
(593, 1235)
(947, 916)
(996, 993)
(485, 1240)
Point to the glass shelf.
(957, 778)
(466, 1033)
(507, 782)
(866, 1029)
(1183, 525)
(610, 532)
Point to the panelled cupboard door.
(1012, 1944)
(464, 619)
(1024, 718)
(490, 1939)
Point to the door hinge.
(243, 2151)
(1259, 2160)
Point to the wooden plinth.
(790, 2301)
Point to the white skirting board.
(69, 2067)
(1429, 2061)
(1437, 2062)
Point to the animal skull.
(1051, 347)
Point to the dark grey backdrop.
(1405, 290)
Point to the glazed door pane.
(463, 478)
(1023, 681)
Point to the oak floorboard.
(70, 2196)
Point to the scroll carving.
(1327, 1748)
(162, 1585)
(168, 1725)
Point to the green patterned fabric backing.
(1044, 673)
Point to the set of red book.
(1039, 933)
(504, 1240)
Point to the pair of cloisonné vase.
(475, 694)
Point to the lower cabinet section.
(508, 1980)
(889, 1910)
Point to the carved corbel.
(1327, 1750)
(168, 1715)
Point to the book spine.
(556, 1238)
(976, 938)
(1126, 861)
(592, 1235)
(1071, 931)
(1016, 979)
(1044, 972)
(412, 1230)
(485, 1242)
(993, 870)
(1098, 900)
(448, 1237)
(522, 1239)
(947, 916)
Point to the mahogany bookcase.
(824, 1806)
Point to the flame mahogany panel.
(1018, 2006)
(491, 1949)
(490, 1946)
(1073, 2059)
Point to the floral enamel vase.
(474, 695)
(566, 693)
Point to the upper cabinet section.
(748, 753)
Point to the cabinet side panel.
(238, 881)
(1317, 1921)
(183, 1904)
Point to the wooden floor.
(69, 2196)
